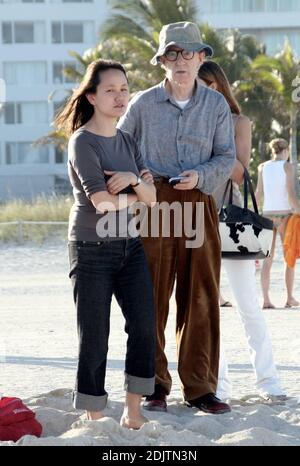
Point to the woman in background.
(241, 274)
(276, 185)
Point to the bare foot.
(268, 305)
(292, 302)
(133, 422)
(93, 415)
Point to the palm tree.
(257, 98)
(131, 36)
(136, 24)
(280, 72)
(143, 19)
(243, 49)
(217, 40)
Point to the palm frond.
(267, 63)
(123, 25)
(78, 57)
(56, 138)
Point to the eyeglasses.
(172, 55)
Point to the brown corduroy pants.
(197, 273)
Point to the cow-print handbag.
(244, 234)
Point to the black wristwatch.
(138, 182)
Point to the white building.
(35, 37)
(271, 21)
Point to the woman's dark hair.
(211, 72)
(78, 109)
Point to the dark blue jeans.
(99, 270)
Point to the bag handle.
(248, 183)
(229, 184)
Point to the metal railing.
(20, 223)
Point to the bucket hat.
(185, 35)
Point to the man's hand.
(146, 175)
(189, 182)
(119, 181)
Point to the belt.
(86, 243)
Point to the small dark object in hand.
(175, 180)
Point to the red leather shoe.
(157, 401)
(209, 404)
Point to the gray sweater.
(88, 156)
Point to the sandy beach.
(38, 349)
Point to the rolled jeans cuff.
(139, 385)
(89, 402)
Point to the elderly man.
(185, 129)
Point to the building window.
(58, 106)
(254, 5)
(70, 1)
(77, 1)
(7, 35)
(67, 32)
(22, 1)
(25, 153)
(72, 32)
(23, 32)
(274, 40)
(60, 156)
(59, 77)
(235, 6)
(9, 113)
(289, 5)
(56, 33)
(62, 185)
(271, 5)
(25, 73)
(26, 113)
(294, 38)
(219, 6)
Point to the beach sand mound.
(250, 423)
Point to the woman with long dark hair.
(241, 274)
(108, 176)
